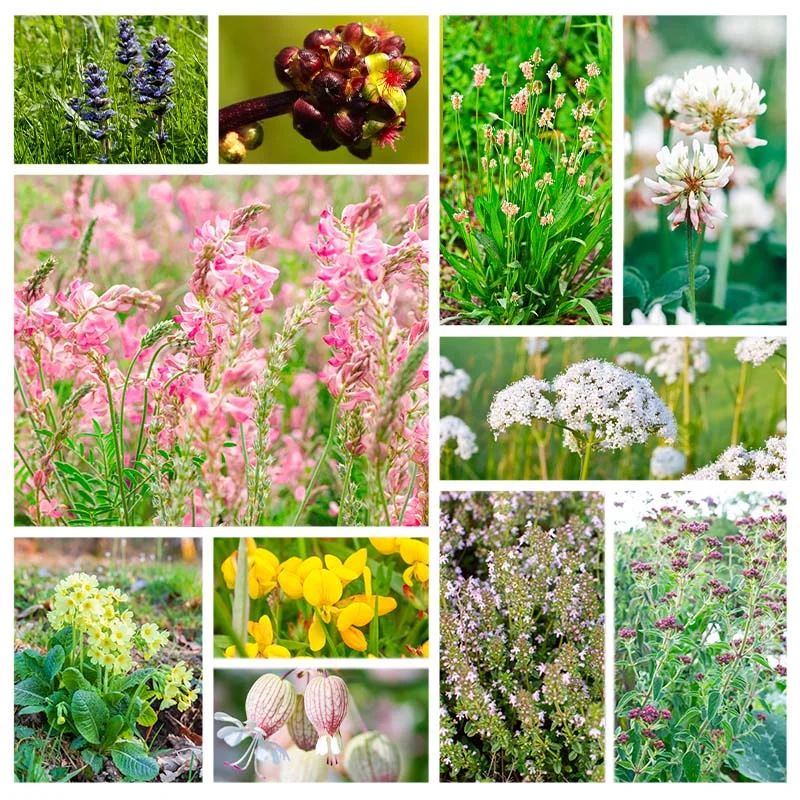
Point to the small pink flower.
(546, 219)
(481, 73)
(581, 84)
(592, 70)
(519, 101)
(527, 70)
(546, 117)
(456, 99)
(509, 209)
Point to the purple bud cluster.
(129, 51)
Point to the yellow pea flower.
(262, 632)
(355, 616)
(293, 572)
(323, 590)
(250, 649)
(385, 604)
(262, 570)
(385, 545)
(352, 567)
(425, 649)
(415, 553)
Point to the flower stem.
(691, 261)
(737, 409)
(587, 455)
(663, 213)
(723, 260)
(319, 463)
(253, 110)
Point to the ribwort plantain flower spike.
(155, 84)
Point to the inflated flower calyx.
(302, 766)
(353, 82)
(300, 727)
(270, 703)
(372, 757)
(326, 702)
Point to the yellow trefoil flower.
(353, 617)
(385, 545)
(263, 645)
(293, 573)
(262, 570)
(322, 589)
(352, 567)
(415, 553)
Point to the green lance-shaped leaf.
(241, 593)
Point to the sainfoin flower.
(269, 705)
(719, 101)
(326, 702)
(687, 179)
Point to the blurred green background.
(671, 45)
(495, 362)
(247, 47)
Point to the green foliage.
(51, 52)
(547, 261)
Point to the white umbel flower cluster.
(519, 404)
(756, 350)
(453, 383)
(668, 356)
(739, 463)
(630, 359)
(618, 407)
(667, 462)
(658, 95)
(713, 99)
(687, 179)
(456, 429)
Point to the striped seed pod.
(372, 757)
(270, 702)
(302, 731)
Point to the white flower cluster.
(756, 350)
(658, 95)
(688, 179)
(519, 404)
(455, 428)
(536, 344)
(630, 359)
(596, 397)
(667, 462)
(739, 463)
(620, 406)
(453, 383)
(656, 316)
(668, 357)
(720, 100)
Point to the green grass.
(50, 54)
(493, 363)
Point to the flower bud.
(414, 79)
(370, 44)
(325, 143)
(319, 39)
(372, 757)
(352, 33)
(326, 702)
(270, 702)
(345, 57)
(307, 119)
(301, 730)
(302, 767)
(309, 64)
(287, 65)
(328, 89)
(346, 129)
(232, 149)
(394, 46)
(252, 136)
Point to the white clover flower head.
(453, 383)
(621, 407)
(519, 404)
(720, 101)
(629, 359)
(739, 463)
(658, 95)
(667, 462)
(667, 360)
(762, 35)
(756, 350)
(456, 429)
(687, 179)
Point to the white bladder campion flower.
(756, 350)
(687, 178)
(456, 429)
(658, 95)
(721, 102)
(593, 401)
(667, 462)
